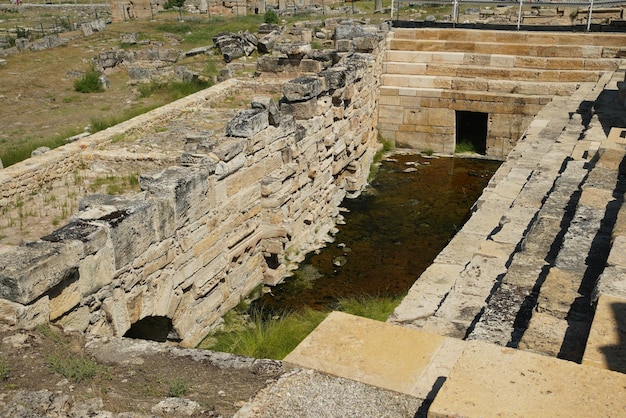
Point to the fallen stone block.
(32, 269)
(303, 88)
(248, 122)
(267, 103)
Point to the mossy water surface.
(392, 233)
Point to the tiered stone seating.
(431, 73)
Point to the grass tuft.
(270, 339)
(90, 82)
(276, 338)
(178, 387)
(5, 369)
(73, 367)
(378, 308)
(464, 147)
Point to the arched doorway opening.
(153, 328)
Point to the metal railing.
(590, 4)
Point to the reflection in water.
(392, 232)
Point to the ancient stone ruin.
(534, 277)
(242, 208)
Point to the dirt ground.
(37, 89)
(124, 381)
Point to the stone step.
(564, 301)
(542, 49)
(378, 354)
(480, 85)
(412, 97)
(606, 345)
(498, 60)
(488, 380)
(460, 378)
(491, 72)
(521, 37)
(507, 313)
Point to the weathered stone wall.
(20, 180)
(244, 207)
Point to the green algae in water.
(391, 233)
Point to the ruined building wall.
(241, 210)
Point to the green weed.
(73, 367)
(19, 150)
(270, 339)
(378, 308)
(90, 82)
(271, 17)
(255, 337)
(178, 387)
(5, 369)
(464, 147)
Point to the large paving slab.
(490, 381)
(376, 353)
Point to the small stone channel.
(390, 234)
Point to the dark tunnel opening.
(471, 131)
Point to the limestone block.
(93, 236)
(310, 66)
(426, 294)
(617, 256)
(612, 282)
(247, 123)
(461, 307)
(266, 43)
(267, 103)
(545, 334)
(620, 222)
(583, 231)
(63, 298)
(228, 149)
(32, 269)
(76, 320)
(293, 49)
(181, 188)
(400, 369)
(117, 313)
(303, 88)
(480, 275)
(194, 318)
(558, 293)
(130, 221)
(605, 348)
(25, 316)
(224, 169)
(300, 110)
(96, 271)
(275, 64)
(595, 198)
(488, 380)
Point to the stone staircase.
(537, 276)
(429, 74)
